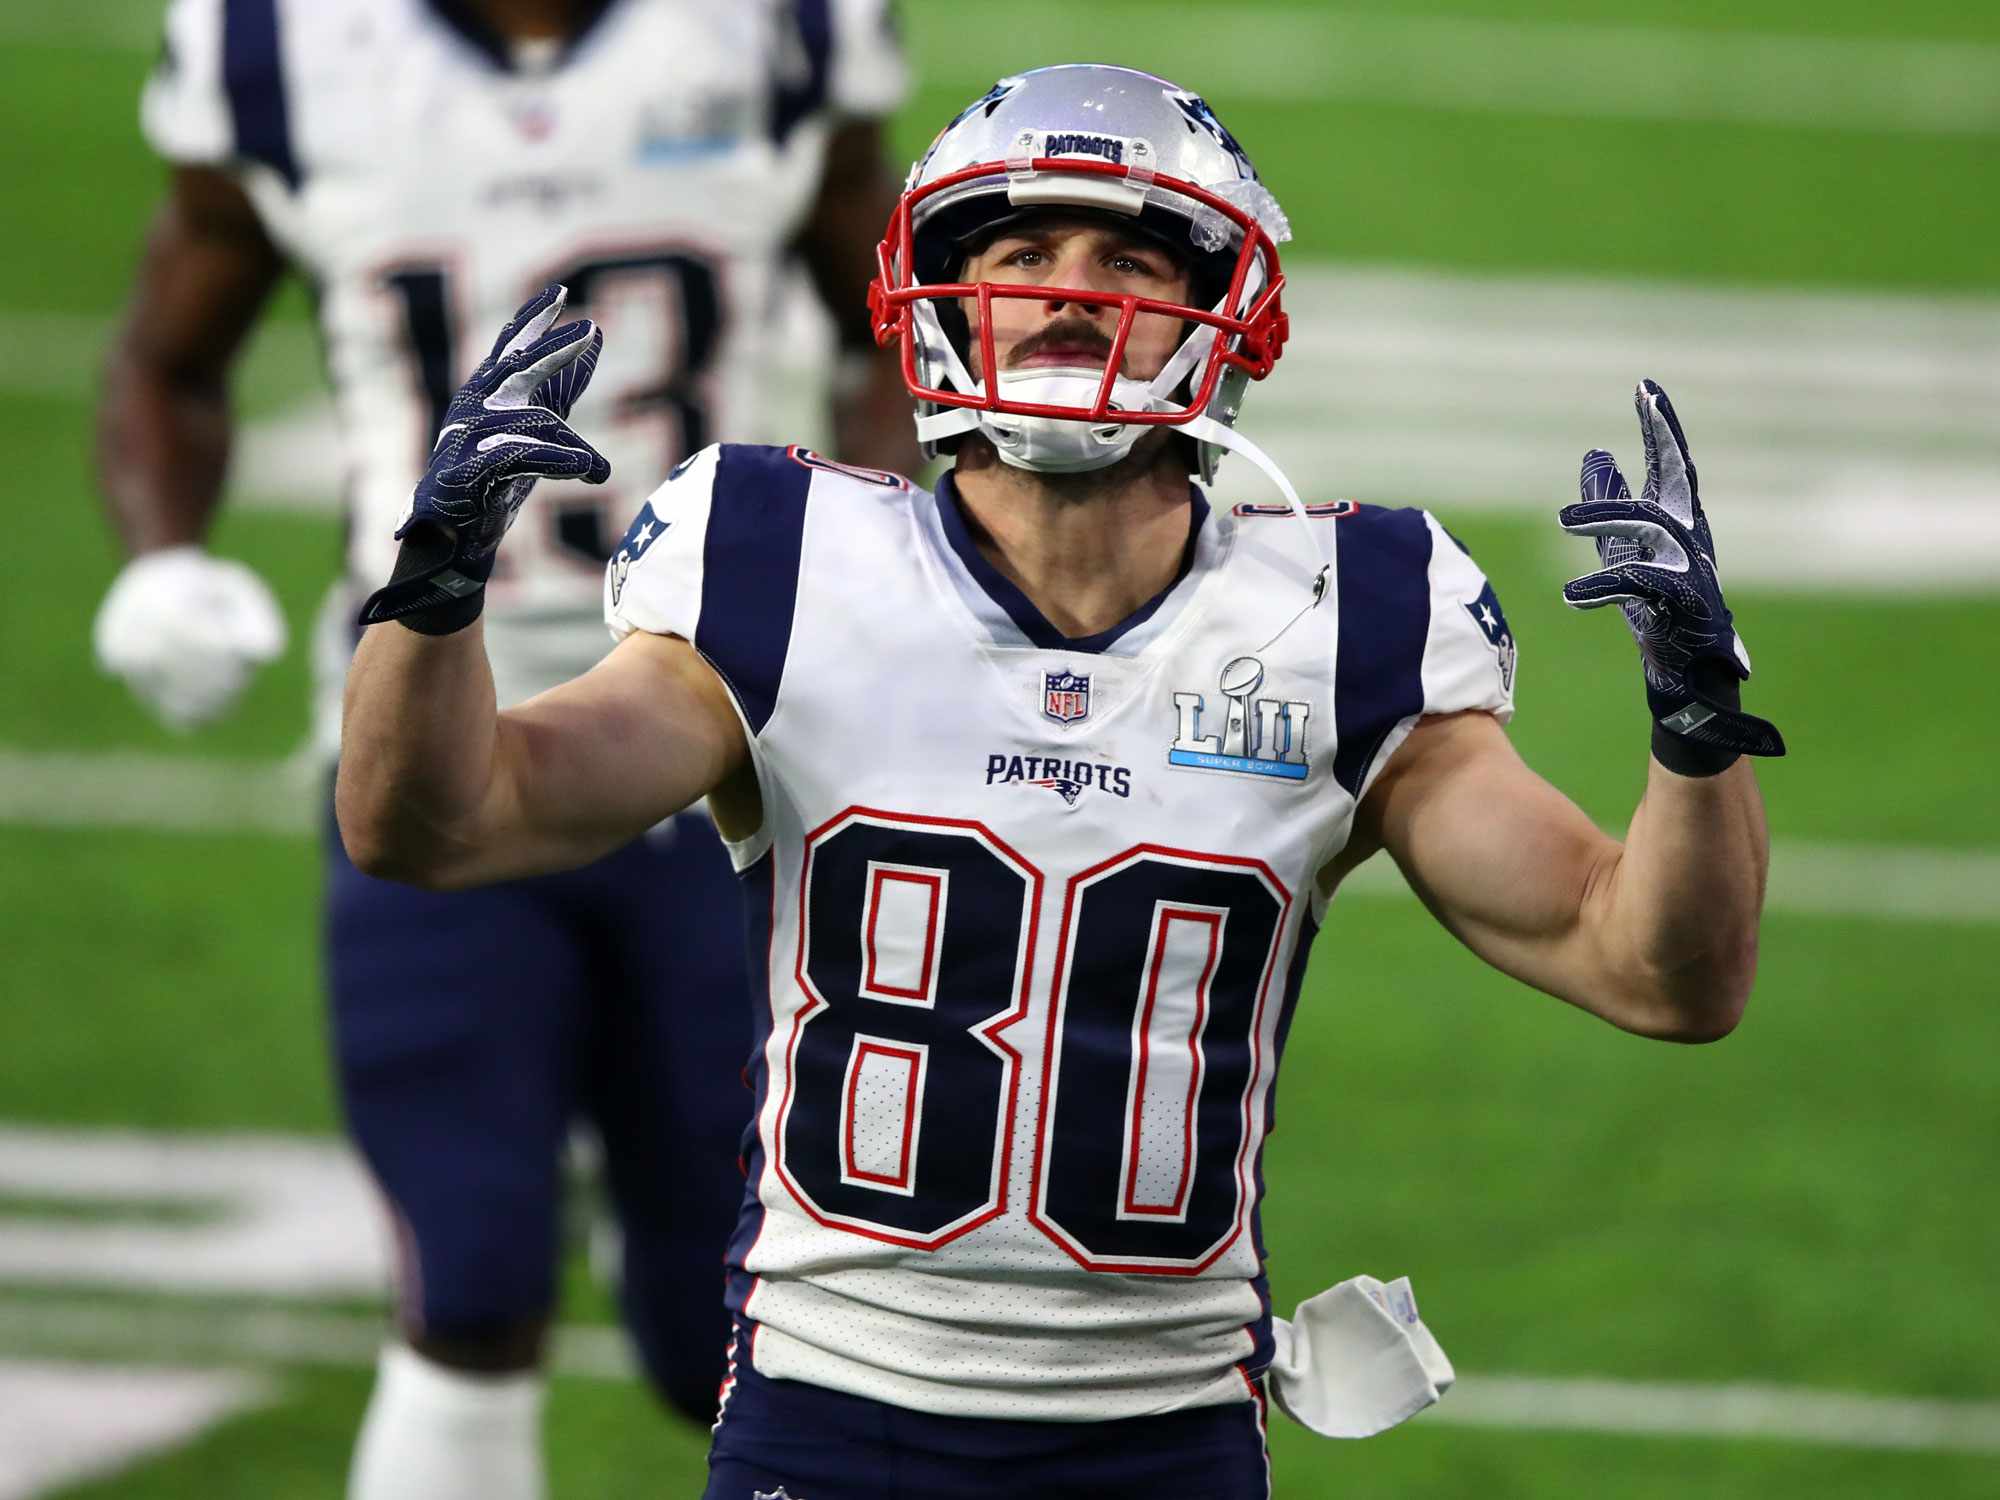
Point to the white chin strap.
(1063, 445)
(1206, 429)
(1044, 437)
(1050, 445)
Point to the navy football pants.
(470, 1030)
(806, 1443)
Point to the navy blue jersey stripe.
(1384, 596)
(253, 75)
(750, 572)
(1021, 609)
(1263, 1346)
(799, 77)
(758, 915)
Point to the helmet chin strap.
(1054, 445)
(1066, 445)
(955, 420)
(1207, 429)
(1062, 445)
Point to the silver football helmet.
(1119, 142)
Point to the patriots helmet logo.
(1200, 116)
(644, 530)
(1492, 622)
(1062, 786)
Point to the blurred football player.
(1040, 786)
(424, 165)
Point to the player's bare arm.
(183, 629)
(871, 408)
(435, 787)
(1657, 935)
(164, 426)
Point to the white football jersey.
(427, 182)
(1030, 915)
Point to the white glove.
(1357, 1359)
(185, 631)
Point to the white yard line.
(1655, 1408)
(62, 354)
(1879, 882)
(124, 789)
(96, 1330)
(61, 1424)
(271, 1215)
(1815, 416)
(1887, 85)
(123, 25)
(1847, 441)
(1308, 55)
(161, 793)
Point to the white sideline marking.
(89, 789)
(113, 24)
(284, 1215)
(1829, 1418)
(61, 1424)
(1816, 417)
(1791, 1414)
(162, 793)
(277, 1335)
(1888, 85)
(1843, 441)
(66, 353)
(1869, 881)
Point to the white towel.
(1356, 1359)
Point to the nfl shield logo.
(1065, 696)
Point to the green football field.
(1759, 1269)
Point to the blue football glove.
(504, 429)
(1659, 565)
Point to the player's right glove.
(503, 430)
(1659, 564)
(186, 631)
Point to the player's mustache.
(1074, 335)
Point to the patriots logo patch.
(1492, 622)
(646, 528)
(1068, 779)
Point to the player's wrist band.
(426, 555)
(447, 618)
(1685, 757)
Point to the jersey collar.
(469, 21)
(1022, 611)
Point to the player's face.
(1055, 332)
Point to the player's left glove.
(1659, 564)
(503, 430)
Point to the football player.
(424, 165)
(1040, 785)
